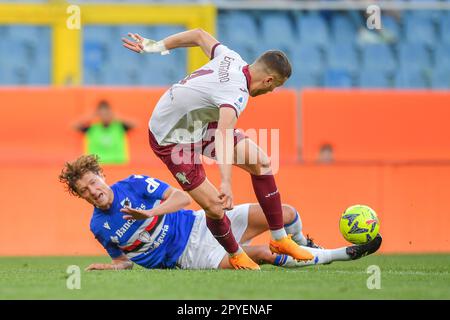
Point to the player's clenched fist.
(141, 44)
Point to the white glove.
(142, 45)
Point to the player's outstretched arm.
(120, 263)
(224, 145)
(174, 200)
(191, 38)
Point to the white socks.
(321, 256)
(295, 228)
(278, 234)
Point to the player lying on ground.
(142, 220)
(200, 113)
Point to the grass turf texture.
(402, 277)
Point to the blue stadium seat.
(313, 30)
(409, 78)
(101, 34)
(413, 56)
(247, 32)
(440, 78)
(427, 15)
(337, 78)
(116, 75)
(123, 30)
(342, 28)
(31, 47)
(91, 77)
(93, 55)
(390, 24)
(301, 78)
(277, 30)
(307, 58)
(27, 33)
(163, 31)
(441, 55)
(356, 18)
(38, 76)
(420, 30)
(159, 76)
(19, 56)
(378, 56)
(14, 74)
(373, 78)
(343, 55)
(444, 27)
(247, 52)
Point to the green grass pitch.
(402, 277)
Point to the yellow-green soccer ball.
(359, 224)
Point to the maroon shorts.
(184, 160)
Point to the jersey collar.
(247, 75)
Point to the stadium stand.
(327, 48)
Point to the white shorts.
(202, 250)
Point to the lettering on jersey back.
(224, 67)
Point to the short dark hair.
(74, 171)
(276, 61)
(103, 104)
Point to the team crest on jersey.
(126, 202)
(181, 176)
(106, 225)
(144, 236)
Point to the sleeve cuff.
(230, 106)
(214, 49)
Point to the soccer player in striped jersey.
(141, 220)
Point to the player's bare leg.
(255, 161)
(207, 196)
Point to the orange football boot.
(287, 246)
(243, 262)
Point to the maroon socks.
(221, 230)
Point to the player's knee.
(213, 209)
(289, 213)
(262, 167)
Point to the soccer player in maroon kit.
(198, 116)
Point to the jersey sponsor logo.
(239, 102)
(159, 241)
(224, 67)
(125, 227)
(152, 185)
(181, 176)
(106, 225)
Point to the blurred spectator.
(326, 154)
(105, 135)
